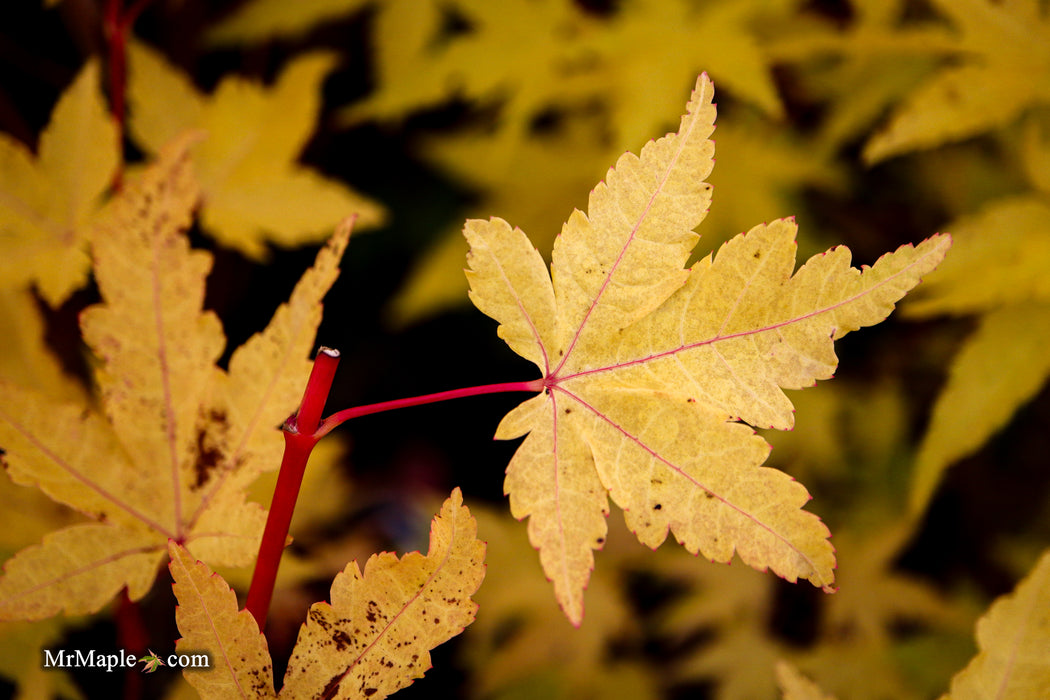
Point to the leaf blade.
(77, 570)
(1012, 636)
(408, 606)
(209, 620)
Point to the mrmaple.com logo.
(92, 659)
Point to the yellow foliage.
(375, 635)
(253, 191)
(1003, 69)
(1013, 637)
(177, 440)
(623, 335)
(372, 639)
(48, 204)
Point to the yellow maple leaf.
(1013, 638)
(48, 203)
(253, 191)
(375, 635)
(1002, 69)
(999, 272)
(650, 370)
(178, 439)
(210, 622)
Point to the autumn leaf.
(48, 203)
(998, 272)
(1002, 68)
(253, 191)
(178, 439)
(210, 621)
(1013, 638)
(374, 637)
(651, 371)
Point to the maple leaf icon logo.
(151, 661)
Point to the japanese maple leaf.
(49, 203)
(252, 188)
(373, 638)
(651, 372)
(177, 439)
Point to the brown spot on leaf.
(658, 506)
(342, 640)
(209, 454)
(331, 687)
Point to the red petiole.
(301, 433)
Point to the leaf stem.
(337, 419)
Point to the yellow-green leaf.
(999, 368)
(651, 370)
(253, 189)
(1013, 638)
(1002, 68)
(376, 634)
(1001, 258)
(210, 621)
(48, 203)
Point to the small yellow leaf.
(375, 635)
(1001, 257)
(210, 622)
(977, 401)
(651, 370)
(253, 189)
(48, 204)
(1014, 641)
(1002, 68)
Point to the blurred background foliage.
(874, 123)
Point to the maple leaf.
(998, 272)
(651, 370)
(253, 191)
(210, 621)
(1013, 638)
(48, 203)
(1002, 68)
(879, 60)
(151, 661)
(178, 439)
(371, 640)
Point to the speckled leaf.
(170, 450)
(210, 622)
(376, 634)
